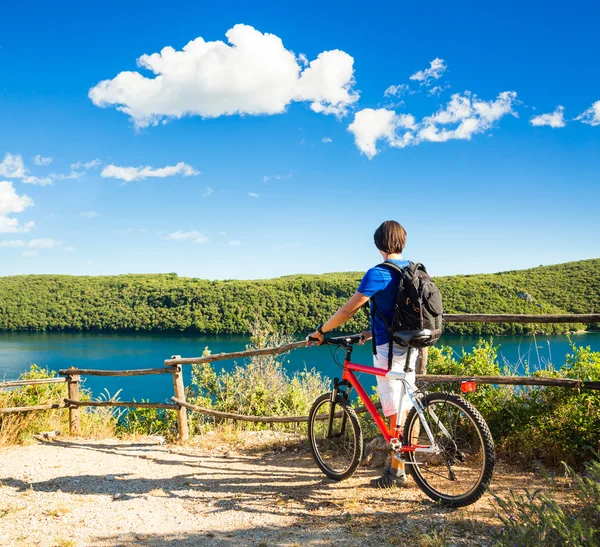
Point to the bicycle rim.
(460, 471)
(337, 448)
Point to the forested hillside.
(293, 304)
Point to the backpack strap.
(389, 327)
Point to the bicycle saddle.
(406, 337)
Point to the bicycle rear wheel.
(336, 444)
(459, 473)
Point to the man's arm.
(342, 315)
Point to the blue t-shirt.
(381, 283)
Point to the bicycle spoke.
(334, 440)
(457, 470)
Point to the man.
(380, 285)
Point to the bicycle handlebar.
(343, 341)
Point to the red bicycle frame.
(349, 376)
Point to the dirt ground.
(77, 493)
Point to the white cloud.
(396, 90)
(235, 242)
(42, 181)
(193, 236)
(12, 243)
(86, 165)
(554, 119)
(252, 195)
(29, 254)
(44, 243)
(208, 192)
(12, 166)
(436, 69)
(437, 89)
(11, 203)
(69, 249)
(463, 116)
(254, 74)
(41, 160)
(591, 116)
(129, 174)
(326, 139)
(371, 125)
(73, 175)
(89, 214)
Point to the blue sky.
(473, 155)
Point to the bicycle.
(446, 445)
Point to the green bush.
(148, 421)
(262, 387)
(547, 424)
(538, 519)
(18, 428)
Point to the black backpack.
(418, 306)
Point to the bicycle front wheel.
(458, 472)
(335, 437)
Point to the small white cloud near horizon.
(208, 192)
(41, 181)
(73, 175)
(29, 254)
(252, 74)
(12, 203)
(252, 194)
(41, 160)
(326, 139)
(41, 243)
(129, 174)
(553, 119)
(462, 117)
(591, 116)
(235, 242)
(194, 236)
(69, 249)
(436, 69)
(89, 214)
(86, 165)
(44, 243)
(12, 166)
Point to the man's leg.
(397, 465)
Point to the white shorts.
(390, 390)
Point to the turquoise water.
(127, 351)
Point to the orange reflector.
(467, 387)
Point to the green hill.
(293, 303)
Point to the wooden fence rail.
(42, 381)
(173, 366)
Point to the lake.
(127, 351)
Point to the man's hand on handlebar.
(365, 335)
(315, 338)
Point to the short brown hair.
(390, 237)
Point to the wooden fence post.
(179, 389)
(74, 412)
(422, 360)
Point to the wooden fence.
(173, 366)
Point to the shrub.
(18, 428)
(536, 519)
(548, 424)
(262, 387)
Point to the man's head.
(390, 237)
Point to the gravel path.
(79, 493)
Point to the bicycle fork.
(334, 393)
